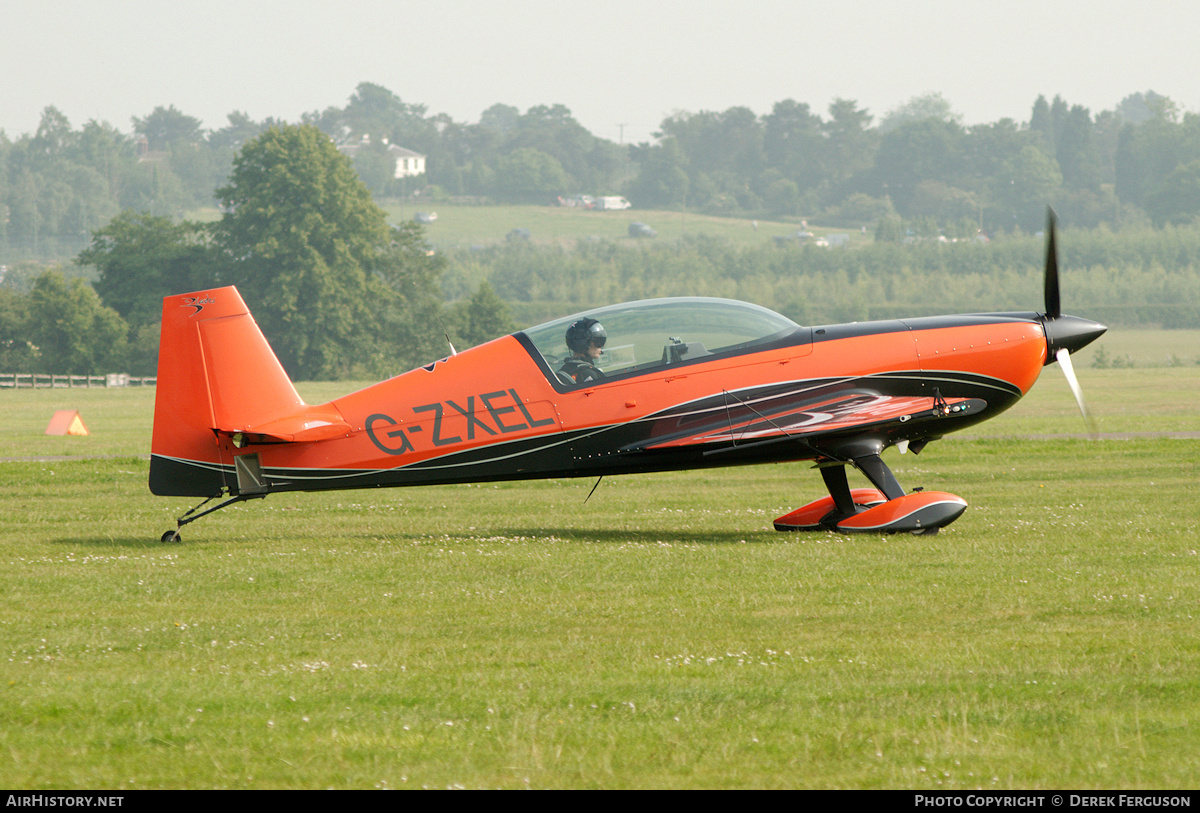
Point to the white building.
(408, 163)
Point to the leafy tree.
(1077, 153)
(299, 231)
(1137, 108)
(860, 210)
(914, 152)
(588, 162)
(375, 111)
(985, 149)
(1127, 174)
(142, 258)
(528, 175)
(1043, 121)
(310, 251)
(1107, 132)
(376, 166)
(793, 143)
(663, 179)
(920, 108)
(1177, 199)
(1023, 185)
(108, 152)
(723, 151)
(167, 127)
(410, 315)
(54, 137)
(1068, 134)
(487, 316)
(890, 229)
(851, 145)
(1148, 153)
(947, 204)
(17, 353)
(73, 332)
(783, 197)
(24, 221)
(155, 188)
(241, 128)
(503, 119)
(378, 113)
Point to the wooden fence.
(37, 380)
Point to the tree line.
(338, 292)
(1136, 164)
(1135, 278)
(341, 294)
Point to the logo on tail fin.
(197, 303)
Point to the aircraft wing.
(781, 416)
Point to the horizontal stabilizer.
(218, 379)
(314, 423)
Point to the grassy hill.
(463, 226)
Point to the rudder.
(216, 372)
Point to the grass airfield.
(459, 227)
(659, 635)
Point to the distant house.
(408, 163)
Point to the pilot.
(585, 340)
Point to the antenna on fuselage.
(446, 333)
(593, 491)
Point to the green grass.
(1120, 401)
(117, 419)
(465, 226)
(1127, 347)
(658, 635)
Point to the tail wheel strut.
(195, 513)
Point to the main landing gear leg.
(826, 513)
(879, 475)
(839, 490)
(844, 503)
(192, 515)
(848, 502)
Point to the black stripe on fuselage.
(852, 330)
(624, 447)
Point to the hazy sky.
(612, 62)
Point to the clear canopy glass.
(658, 332)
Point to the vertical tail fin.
(216, 373)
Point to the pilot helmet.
(583, 332)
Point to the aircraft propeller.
(1065, 334)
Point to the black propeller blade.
(1053, 306)
(1062, 332)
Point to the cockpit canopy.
(654, 333)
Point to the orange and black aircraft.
(646, 386)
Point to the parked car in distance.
(612, 203)
(578, 201)
(425, 217)
(639, 229)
